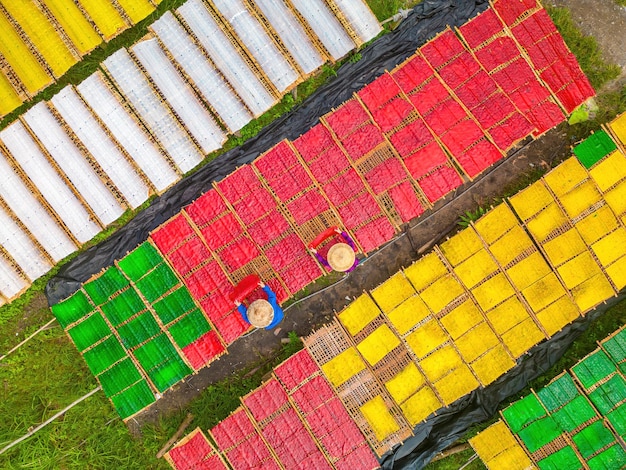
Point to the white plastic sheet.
(33, 214)
(134, 139)
(326, 26)
(152, 111)
(179, 95)
(21, 248)
(360, 18)
(46, 179)
(251, 33)
(225, 57)
(72, 162)
(11, 284)
(78, 117)
(207, 80)
(291, 33)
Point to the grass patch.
(621, 3)
(456, 461)
(384, 9)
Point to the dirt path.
(604, 20)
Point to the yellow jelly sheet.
(564, 247)
(342, 367)
(461, 246)
(511, 245)
(597, 224)
(493, 291)
(456, 384)
(377, 345)
(408, 314)
(476, 268)
(616, 198)
(531, 200)
(546, 222)
(105, 16)
(580, 198)
(493, 364)
(609, 171)
(379, 418)
(528, 270)
(441, 293)
(392, 292)
(136, 10)
(496, 223)
(522, 337)
(421, 405)
(492, 441)
(592, 292)
(542, 293)
(425, 271)
(426, 338)
(82, 34)
(9, 99)
(405, 383)
(461, 319)
(578, 270)
(554, 317)
(476, 342)
(358, 314)
(506, 315)
(617, 273)
(618, 126)
(440, 362)
(610, 247)
(566, 176)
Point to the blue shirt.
(271, 298)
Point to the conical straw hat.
(260, 313)
(341, 257)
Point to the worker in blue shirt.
(262, 311)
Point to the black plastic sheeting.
(439, 432)
(426, 20)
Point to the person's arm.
(241, 308)
(271, 297)
(349, 241)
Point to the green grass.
(456, 461)
(621, 3)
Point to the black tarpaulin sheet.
(451, 423)
(426, 20)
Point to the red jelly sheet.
(313, 142)
(498, 52)
(254, 206)
(306, 207)
(511, 10)
(300, 273)
(362, 458)
(478, 157)
(529, 96)
(374, 234)
(205, 280)
(252, 455)
(348, 117)
(233, 430)
(239, 183)
(362, 141)
(439, 183)
(222, 231)
(461, 136)
(495, 109)
(265, 400)
(276, 161)
(285, 252)
(425, 160)
(481, 28)
(339, 443)
(443, 48)
(313, 394)
(378, 92)
(412, 74)
(203, 350)
(459, 70)
(574, 95)
(239, 253)
(557, 76)
(291, 183)
(211, 463)
(231, 327)
(513, 129)
(429, 96)
(542, 55)
(171, 234)
(385, 175)
(218, 304)
(545, 116)
(325, 419)
(267, 229)
(444, 116)
(359, 211)
(332, 162)
(411, 137)
(343, 188)
(188, 256)
(392, 114)
(195, 450)
(296, 369)
(406, 201)
(206, 208)
(515, 75)
(476, 90)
